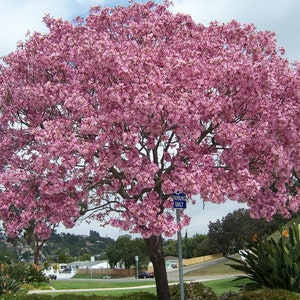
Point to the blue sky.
(19, 16)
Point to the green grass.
(221, 286)
(97, 284)
(105, 293)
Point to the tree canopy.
(118, 110)
(236, 230)
(115, 112)
(124, 250)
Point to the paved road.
(173, 275)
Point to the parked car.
(66, 270)
(52, 276)
(145, 275)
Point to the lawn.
(219, 286)
(112, 287)
(98, 284)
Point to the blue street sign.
(179, 204)
(179, 199)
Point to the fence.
(110, 272)
(200, 259)
(132, 271)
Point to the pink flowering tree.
(111, 114)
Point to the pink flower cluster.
(117, 111)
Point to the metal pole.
(180, 256)
(137, 267)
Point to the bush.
(228, 295)
(138, 296)
(17, 271)
(273, 294)
(13, 276)
(193, 291)
(130, 296)
(34, 275)
(273, 264)
(8, 285)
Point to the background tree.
(187, 246)
(199, 245)
(195, 246)
(170, 247)
(115, 112)
(236, 230)
(124, 250)
(64, 257)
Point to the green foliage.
(138, 296)
(64, 258)
(224, 237)
(194, 246)
(34, 275)
(23, 273)
(124, 249)
(9, 285)
(17, 271)
(14, 276)
(273, 264)
(193, 291)
(170, 247)
(76, 246)
(273, 294)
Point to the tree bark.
(155, 248)
(37, 249)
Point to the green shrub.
(273, 264)
(138, 296)
(34, 275)
(130, 296)
(193, 291)
(8, 285)
(17, 271)
(14, 276)
(270, 294)
(228, 295)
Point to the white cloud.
(17, 17)
(274, 15)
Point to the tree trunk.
(37, 250)
(155, 248)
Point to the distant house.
(101, 264)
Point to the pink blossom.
(118, 111)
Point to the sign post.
(179, 199)
(137, 266)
